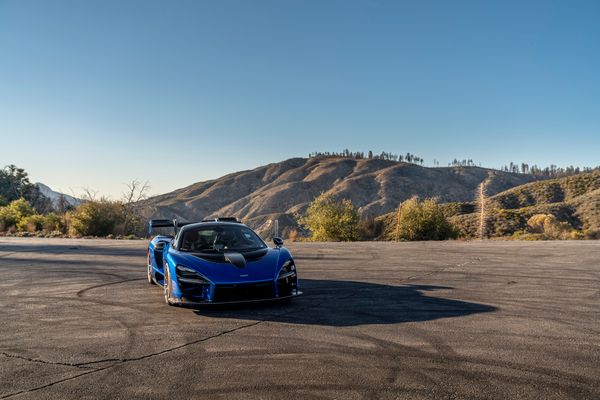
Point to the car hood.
(221, 269)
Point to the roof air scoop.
(235, 259)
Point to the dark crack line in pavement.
(82, 291)
(54, 383)
(37, 360)
(120, 361)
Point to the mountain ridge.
(283, 189)
(56, 197)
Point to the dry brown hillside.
(283, 189)
(573, 199)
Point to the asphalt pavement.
(434, 320)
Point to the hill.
(281, 190)
(573, 199)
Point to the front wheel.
(149, 270)
(167, 287)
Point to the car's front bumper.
(193, 302)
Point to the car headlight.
(288, 269)
(188, 275)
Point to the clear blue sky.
(97, 93)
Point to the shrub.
(331, 220)
(370, 228)
(13, 213)
(422, 220)
(550, 226)
(53, 222)
(95, 218)
(31, 223)
(536, 223)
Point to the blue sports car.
(219, 261)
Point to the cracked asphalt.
(445, 320)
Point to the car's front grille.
(244, 291)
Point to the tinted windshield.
(220, 238)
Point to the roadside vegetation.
(24, 211)
(328, 219)
(565, 208)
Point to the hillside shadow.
(348, 303)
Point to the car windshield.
(220, 238)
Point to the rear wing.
(223, 219)
(165, 223)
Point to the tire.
(167, 287)
(149, 269)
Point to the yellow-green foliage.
(13, 213)
(331, 220)
(32, 223)
(550, 226)
(53, 223)
(422, 220)
(38, 222)
(95, 218)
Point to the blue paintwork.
(263, 269)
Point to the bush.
(551, 227)
(331, 220)
(53, 223)
(32, 223)
(422, 220)
(370, 228)
(95, 218)
(13, 213)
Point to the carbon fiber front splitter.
(183, 302)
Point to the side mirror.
(278, 241)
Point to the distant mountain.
(281, 190)
(55, 196)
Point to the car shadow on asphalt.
(349, 303)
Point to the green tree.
(332, 220)
(422, 220)
(14, 184)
